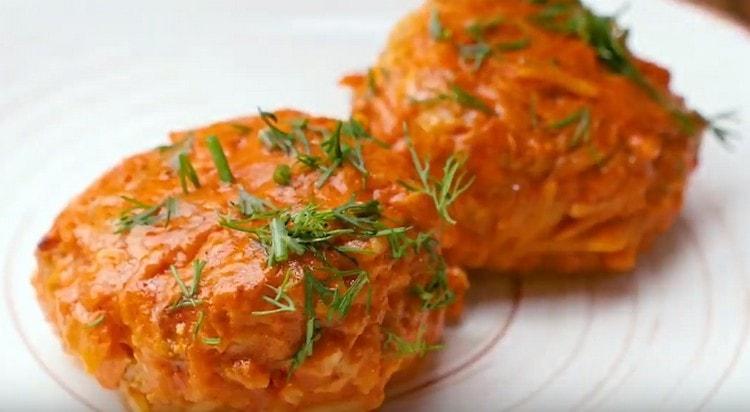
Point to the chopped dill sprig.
(281, 300)
(312, 162)
(220, 159)
(197, 328)
(142, 214)
(437, 31)
(582, 132)
(342, 302)
(281, 243)
(514, 45)
(312, 327)
(198, 324)
(445, 191)
(461, 97)
(249, 205)
(478, 29)
(582, 119)
(468, 100)
(404, 348)
(339, 304)
(188, 296)
(331, 145)
(436, 293)
(276, 139)
(478, 51)
(186, 172)
(475, 54)
(211, 341)
(722, 126)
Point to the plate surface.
(84, 83)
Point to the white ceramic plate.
(84, 83)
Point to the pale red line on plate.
(729, 370)
(619, 359)
(569, 358)
(705, 269)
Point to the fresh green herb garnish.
(312, 328)
(404, 348)
(312, 230)
(477, 29)
(281, 243)
(281, 300)
(582, 119)
(299, 127)
(609, 41)
(282, 175)
(461, 97)
(444, 191)
(312, 162)
(342, 302)
(342, 144)
(568, 120)
(197, 328)
(400, 244)
(475, 54)
(171, 207)
(436, 293)
(338, 304)
(189, 296)
(582, 132)
(356, 130)
(337, 151)
(514, 45)
(186, 172)
(479, 51)
(211, 341)
(174, 150)
(147, 215)
(95, 323)
(718, 126)
(437, 31)
(198, 324)
(468, 100)
(249, 205)
(331, 145)
(220, 159)
(274, 138)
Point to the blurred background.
(740, 9)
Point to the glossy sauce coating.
(111, 296)
(553, 191)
